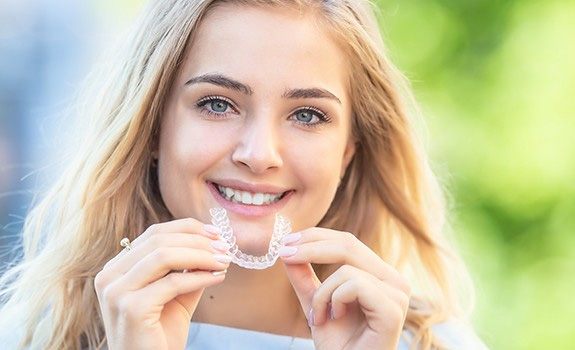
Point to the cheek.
(185, 149)
(186, 153)
(320, 158)
(187, 143)
(317, 166)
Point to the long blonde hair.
(388, 197)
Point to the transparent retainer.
(282, 227)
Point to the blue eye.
(305, 116)
(219, 106)
(214, 106)
(310, 117)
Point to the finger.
(164, 290)
(187, 225)
(166, 259)
(322, 299)
(377, 301)
(324, 246)
(186, 287)
(185, 240)
(304, 282)
(116, 268)
(340, 245)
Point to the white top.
(212, 337)
(203, 336)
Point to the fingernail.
(291, 238)
(224, 259)
(219, 273)
(287, 251)
(212, 230)
(220, 245)
(310, 318)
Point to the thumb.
(190, 300)
(304, 282)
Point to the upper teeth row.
(244, 197)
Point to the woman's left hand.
(363, 305)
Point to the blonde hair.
(388, 197)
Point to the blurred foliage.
(495, 80)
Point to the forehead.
(265, 44)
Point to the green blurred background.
(495, 80)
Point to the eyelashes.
(308, 114)
(215, 101)
(219, 107)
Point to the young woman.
(257, 107)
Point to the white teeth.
(246, 198)
(243, 197)
(258, 199)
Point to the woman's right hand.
(145, 299)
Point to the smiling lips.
(244, 197)
(249, 200)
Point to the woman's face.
(257, 122)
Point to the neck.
(259, 300)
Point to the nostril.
(259, 164)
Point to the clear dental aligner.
(282, 227)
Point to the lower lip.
(246, 209)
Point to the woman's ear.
(155, 156)
(347, 156)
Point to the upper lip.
(249, 187)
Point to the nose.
(258, 147)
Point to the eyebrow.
(229, 83)
(310, 93)
(221, 80)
